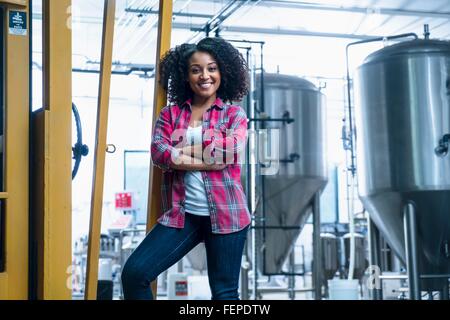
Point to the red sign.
(124, 201)
(181, 288)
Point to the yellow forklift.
(35, 254)
(36, 151)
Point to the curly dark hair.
(233, 69)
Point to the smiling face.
(203, 76)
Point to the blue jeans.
(165, 246)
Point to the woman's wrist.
(194, 151)
(186, 163)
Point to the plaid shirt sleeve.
(162, 151)
(227, 144)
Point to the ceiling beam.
(175, 14)
(274, 31)
(213, 24)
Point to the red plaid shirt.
(223, 126)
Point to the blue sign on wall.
(18, 23)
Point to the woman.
(198, 141)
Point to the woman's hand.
(195, 151)
(187, 163)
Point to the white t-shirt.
(196, 201)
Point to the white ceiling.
(346, 20)
(347, 17)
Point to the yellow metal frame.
(160, 100)
(14, 281)
(20, 3)
(52, 202)
(100, 150)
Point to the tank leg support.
(412, 256)
(375, 257)
(317, 249)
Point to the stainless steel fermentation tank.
(286, 197)
(330, 256)
(403, 114)
(360, 263)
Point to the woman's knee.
(134, 274)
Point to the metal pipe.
(426, 32)
(249, 174)
(374, 255)
(175, 14)
(422, 276)
(252, 183)
(261, 108)
(180, 266)
(254, 263)
(411, 246)
(275, 31)
(214, 23)
(291, 278)
(147, 73)
(317, 250)
(164, 281)
(244, 276)
(262, 126)
(384, 265)
(336, 193)
(224, 13)
(303, 263)
(245, 41)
